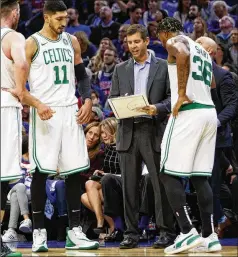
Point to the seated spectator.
(200, 30)
(220, 9)
(192, 15)
(118, 43)
(125, 54)
(135, 14)
(97, 114)
(221, 56)
(104, 76)
(182, 12)
(95, 99)
(155, 43)
(73, 23)
(150, 14)
(19, 197)
(226, 25)
(106, 28)
(96, 62)
(233, 49)
(93, 198)
(94, 19)
(170, 6)
(206, 9)
(88, 49)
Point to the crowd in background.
(100, 27)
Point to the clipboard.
(125, 106)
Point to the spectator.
(97, 61)
(95, 98)
(155, 43)
(192, 15)
(88, 49)
(150, 15)
(104, 76)
(233, 49)
(220, 57)
(200, 29)
(226, 24)
(106, 28)
(125, 54)
(170, 6)
(183, 9)
(97, 114)
(73, 23)
(93, 198)
(135, 14)
(94, 19)
(206, 9)
(118, 43)
(220, 9)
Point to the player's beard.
(54, 29)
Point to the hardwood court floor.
(142, 251)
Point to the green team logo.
(65, 41)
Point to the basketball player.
(55, 60)
(188, 145)
(14, 71)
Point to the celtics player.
(188, 144)
(14, 73)
(58, 144)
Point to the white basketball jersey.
(7, 77)
(200, 76)
(52, 76)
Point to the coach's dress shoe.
(163, 241)
(128, 243)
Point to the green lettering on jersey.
(58, 51)
(204, 72)
(51, 55)
(45, 57)
(58, 75)
(55, 56)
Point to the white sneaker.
(209, 244)
(39, 241)
(10, 236)
(26, 226)
(183, 242)
(77, 240)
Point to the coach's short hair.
(7, 6)
(137, 28)
(53, 6)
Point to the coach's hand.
(44, 112)
(149, 109)
(83, 116)
(181, 100)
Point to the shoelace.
(79, 232)
(38, 235)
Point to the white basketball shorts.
(11, 143)
(58, 143)
(188, 145)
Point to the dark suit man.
(226, 106)
(139, 139)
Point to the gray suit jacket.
(158, 94)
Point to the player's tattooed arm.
(178, 49)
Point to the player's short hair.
(137, 28)
(53, 6)
(7, 6)
(169, 24)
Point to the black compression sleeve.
(83, 81)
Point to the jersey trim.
(53, 41)
(42, 170)
(37, 50)
(70, 40)
(168, 143)
(11, 177)
(4, 34)
(69, 172)
(184, 174)
(192, 106)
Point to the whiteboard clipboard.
(125, 106)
